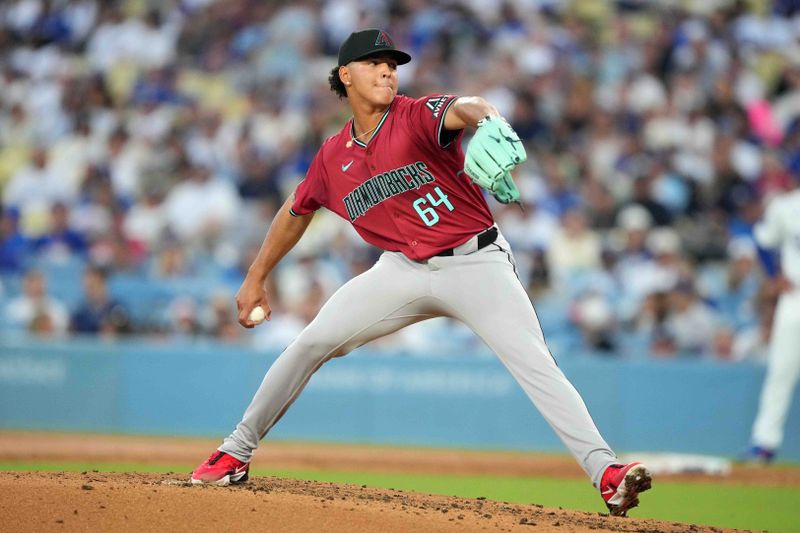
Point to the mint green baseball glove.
(494, 150)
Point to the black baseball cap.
(364, 43)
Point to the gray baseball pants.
(477, 287)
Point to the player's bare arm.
(283, 234)
(467, 111)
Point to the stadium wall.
(465, 401)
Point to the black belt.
(485, 238)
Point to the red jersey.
(403, 191)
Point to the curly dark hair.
(336, 83)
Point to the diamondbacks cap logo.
(384, 40)
(364, 43)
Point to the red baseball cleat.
(621, 486)
(221, 469)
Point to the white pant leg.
(386, 298)
(783, 370)
(483, 291)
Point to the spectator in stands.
(182, 319)
(13, 245)
(284, 325)
(170, 259)
(742, 282)
(154, 44)
(32, 191)
(50, 26)
(17, 131)
(128, 40)
(80, 16)
(100, 216)
(601, 208)
(258, 178)
(202, 208)
(668, 266)
(98, 313)
(211, 143)
(643, 195)
(594, 317)
(691, 323)
(92, 215)
(60, 243)
(631, 258)
(158, 86)
(574, 249)
(530, 229)
(538, 276)
(560, 194)
(74, 151)
(309, 273)
(145, 222)
(653, 322)
(219, 317)
(35, 309)
(126, 165)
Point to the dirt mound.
(94, 501)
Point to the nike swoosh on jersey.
(345, 167)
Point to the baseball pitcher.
(397, 172)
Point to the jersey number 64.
(428, 214)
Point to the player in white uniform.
(398, 174)
(779, 230)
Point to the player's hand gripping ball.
(257, 315)
(494, 150)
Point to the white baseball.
(257, 315)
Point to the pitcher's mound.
(93, 501)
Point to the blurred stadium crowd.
(145, 145)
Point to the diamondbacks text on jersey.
(405, 191)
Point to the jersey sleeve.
(769, 231)
(311, 193)
(427, 117)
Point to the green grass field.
(722, 505)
